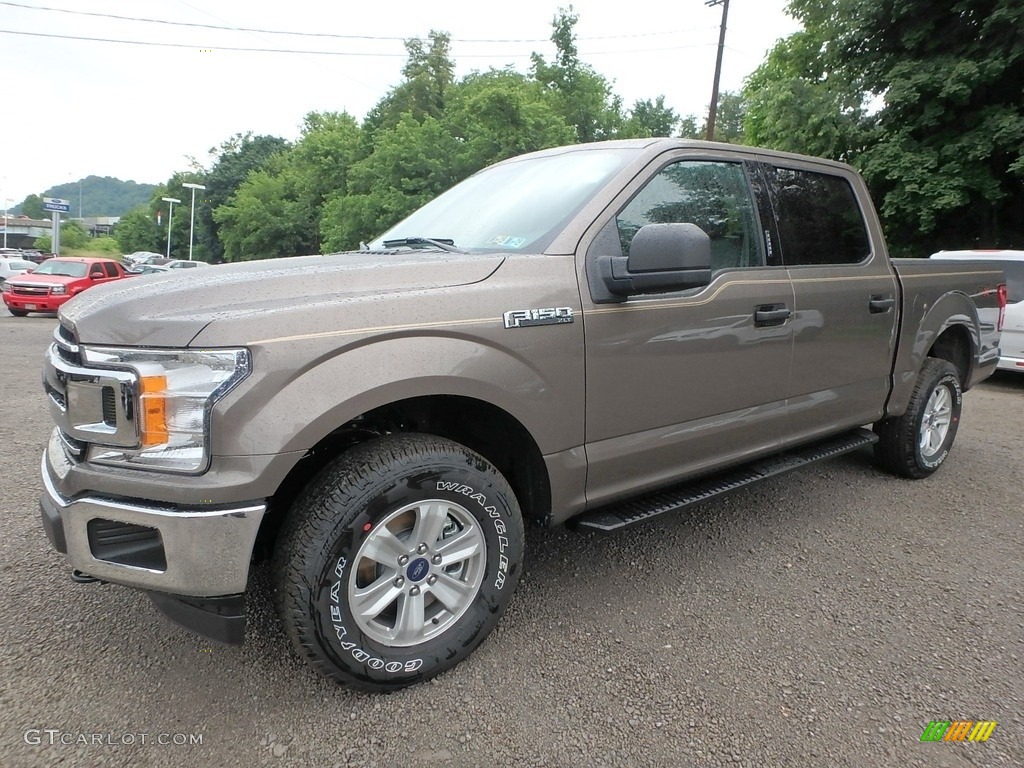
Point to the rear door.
(846, 299)
(681, 381)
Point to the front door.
(682, 381)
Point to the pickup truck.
(55, 281)
(593, 334)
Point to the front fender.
(296, 404)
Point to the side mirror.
(662, 257)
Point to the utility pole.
(713, 110)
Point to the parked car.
(139, 257)
(12, 266)
(1011, 342)
(55, 281)
(186, 263)
(149, 269)
(38, 257)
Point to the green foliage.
(944, 153)
(235, 159)
(137, 231)
(72, 235)
(650, 118)
(583, 97)
(32, 206)
(409, 166)
(101, 195)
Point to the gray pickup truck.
(596, 334)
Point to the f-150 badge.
(523, 318)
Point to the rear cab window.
(819, 220)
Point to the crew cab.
(55, 281)
(595, 335)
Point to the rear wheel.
(397, 561)
(918, 442)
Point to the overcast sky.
(75, 107)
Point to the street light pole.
(713, 110)
(192, 218)
(6, 222)
(170, 217)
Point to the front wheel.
(18, 312)
(917, 443)
(397, 561)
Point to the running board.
(633, 511)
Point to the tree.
(583, 97)
(498, 114)
(277, 210)
(72, 235)
(796, 103)
(429, 72)
(944, 152)
(137, 231)
(650, 118)
(410, 165)
(32, 206)
(235, 158)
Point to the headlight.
(7, 287)
(59, 290)
(177, 390)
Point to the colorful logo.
(958, 730)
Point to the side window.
(712, 195)
(111, 269)
(96, 270)
(818, 218)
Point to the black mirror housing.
(662, 257)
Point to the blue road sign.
(56, 204)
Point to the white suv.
(1011, 343)
(12, 266)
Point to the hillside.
(102, 195)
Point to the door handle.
(770, 314)
(881, 303)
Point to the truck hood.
(169, 310)
(30, 278)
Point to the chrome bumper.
(206, 552)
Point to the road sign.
(56, 204)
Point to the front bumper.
(48, 303)
(186, 551)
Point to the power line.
(322, 53)
(228, 28)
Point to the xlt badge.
(523, 318)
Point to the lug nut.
(422, 548)
(414, 591)
(432, 579)
(399, 582)
(403, 560)
(436, 559)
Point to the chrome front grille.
(30, 290)
(67, 345)
(89, 405)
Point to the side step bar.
(625, 513)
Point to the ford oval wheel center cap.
(418, 569)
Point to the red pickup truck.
(55, 281)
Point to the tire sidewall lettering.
(342, 637)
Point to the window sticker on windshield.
(507, 241)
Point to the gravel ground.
(819, 619)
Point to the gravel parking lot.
(819, 619)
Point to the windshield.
(518, 206)
(62, 268)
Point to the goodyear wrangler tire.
(916, 444)
(397, 561)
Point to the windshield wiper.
(445, 244)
